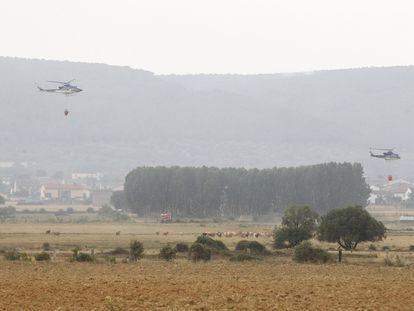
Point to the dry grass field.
(277, 283)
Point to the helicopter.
(387, 154)
(65, 88)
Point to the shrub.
(394, 261)
(136, 250)
(279, 238)
(43, 256)
(12, 255)
(214, 245)
(25, 257)
(244, 257)
(305, 252)
(386, 248)
(411, 248)
(181, 247)
(242, 245)
(199, 251)
(167, 253)
(119, 251)
(82, 257)
(372, 247)
(252, 246)
(46, 246)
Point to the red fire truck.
(165, 218)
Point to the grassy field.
(362, 281)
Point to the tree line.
(211, 191)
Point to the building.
(63, 192)
(25, 187)
(394, 192)
(400, 189)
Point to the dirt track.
(151, 285)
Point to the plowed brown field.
(217, 285)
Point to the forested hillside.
(126, 118)
(210, 191)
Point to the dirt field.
(362, 282)
(182, 285)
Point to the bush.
(279, 238)
(394, 261)
(181, 247)
(82, 257)
(111, 259)
(372, 247)
(85, 257)
(252, 246)
(305, 252)
(242, 245)
(25, 257)
(411, 248)
(214, 245)
(244, 257)
(12, 255)
(46, 246)
(136, 250)
(43, 256)
(119, 251)
(90, 210)
(386, 248)
(199, 251)
(167, 253)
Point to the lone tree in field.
(349, 226)
(136, 250)
(298, 224)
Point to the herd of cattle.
(230, 234)
(242, 234)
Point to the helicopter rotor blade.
(383, 149)
(60, 82)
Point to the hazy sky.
(212, 36)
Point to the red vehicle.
(166, 218)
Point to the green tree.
(211, 191)
(167, 253)
(298, 224)
(349, 226)
(136, 250)
(118, 199)
(106, 210)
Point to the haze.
(233, 36)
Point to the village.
(26, 189)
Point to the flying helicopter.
(387, 154)
(65, 88)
